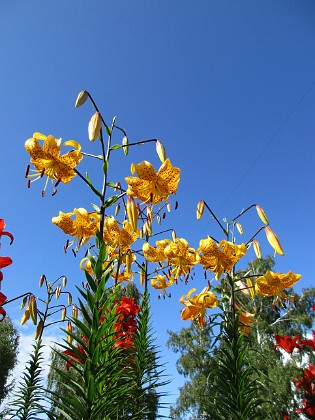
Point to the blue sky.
(228, 87)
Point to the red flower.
(3, 298)
(76, 357)
(2, 233)
(313, 308)
(310, 342)
(5, 261)
(287, 343)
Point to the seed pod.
(257, 248)
(262, 215)
(200, 209)
(160, 150)
(95, 126)
(81, 98)
(273, 240)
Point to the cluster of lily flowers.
(174, 258)
(306, 381)
(125, 329)
(4, 262)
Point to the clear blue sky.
(229, 87)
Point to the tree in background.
(9, 342)
(199, 354)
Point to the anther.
(27, 171)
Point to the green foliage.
(9, 341)
(29, 398)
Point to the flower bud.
(132, 213)
(64, 281)
(124, 144)
(75, 311)
(41, 280)
(95, 126)
(149, 214)
(24, 302)
(33, 309)
(82, 97)
(63, 314)
(142, 274)
(69, 329)
(239, 228)
(200, 209)
(273, 240)
(128, 261)
(69, 299)
(58, 291)
(250, 287)
(173, 235)
(257, 248)
(26, 316)
(117, 209)
(262, 215)
(168, 206)
(158, 219)
(39, 329)
(132, 168)
(160, 150)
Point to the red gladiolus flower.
(287, 343)
(3, 298)
(310, 342)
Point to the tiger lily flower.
(246, 319)
(272, 284)
(180, 256)
(219, 258)
(3, 298)
(196, 306)
(157, 254)
(47, 159)
(160, 282)
(287, 343)
(117, 237)
(153, 187)
(83, 227)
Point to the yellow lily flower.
(160, 282)
(272, 284)
(196, 306)
(180, 256)
(83, 227)
(246, 319)
(47, 159)
(219, 258)
(152, 187)
(116, 237)
(152, 254)
(123, 276)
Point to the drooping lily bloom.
(180, 256)
(116, 237)
(306, 382)
(196, 306)
(153, 187)
(3, 233)
(246, 320)
(272, 284)
(80, 357)
(157, 254)
(287, 343)
(159, 282)
(3, 298)
(47, 159)
(219, 258)
(83, 227)
(309, 342)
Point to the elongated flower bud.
(200, 209)
(64, 281)
(149, 214)
(257, 248)
(117, 209)
(124, 144)
(39, 329)
(158, 219)
(142, 274)
(75, 311)
(132, 213)
(239, 228)
(174, 237)
(160, 150)
(63, 314)
(69, 329)
(128, 262)
(25, 317)
(273, 240)
(132, 168)
(24, 302)
(168, 206)
(69, 299)
(250, 287)
(58, 291)
(95, 126)
(41, 280)
(81, 98)
(33, 309)
(262, 215)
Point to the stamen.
(29, 183)
(27, 171)
(57, 183)
(54, 192)
(42, 173)
(176, 205)
(43, 193)
(74, 253)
